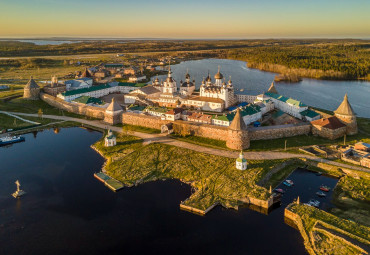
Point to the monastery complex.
(213, 111)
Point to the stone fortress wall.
(274, 132)
(202, 130)
(90, 111)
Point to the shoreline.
(295, 71)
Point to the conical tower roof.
(86, 74)
(345, 108)
(31, 84)
(238, 122)
(113, 107)
(272, 88)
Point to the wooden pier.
(108, 181)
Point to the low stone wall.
(261, 203)
(273, 132)
(277, 169)
(299, 224)
(196, 210)
(91, 111)
(331, 134)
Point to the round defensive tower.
(31, 90)
(347, 116)
(238, 138)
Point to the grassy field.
(352, 197)
(323, 230)
(5, 94)
(9, 122)
(127, 129)
(203, 141)
(33, 106)
(214, 178)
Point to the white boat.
(11, 139)
(314, 203)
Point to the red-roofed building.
(331, 128)
(174, 114)
(200, 118)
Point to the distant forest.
(315, 58)
(319, 60)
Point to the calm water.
(68, 211)
(319, 93)
(47, 42)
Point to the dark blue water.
(319, 93)
(67, 211)
(306, 184)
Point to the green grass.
(6, 94)
(203, 141)
(214, 178)
(8, 122)
(125, 145)
(311, 216)
(33, 106)
(129, 128)
(364, 125)
(352, 198)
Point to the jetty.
(108, 181)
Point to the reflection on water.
(319, 93)
(67, 211)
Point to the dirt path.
(162, 138)
(20, 118)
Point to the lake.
(319, 93)
(67, 211)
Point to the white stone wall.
(245, 98)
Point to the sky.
(186, 19)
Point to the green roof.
(85, 90)
(241, 160)
(113, 65)
(88, 100)
(228, 117)
(309, 113)
(110, 137)
(137, 108)
(287, 100)
(250, 109)
(157, 109)
(132, 84)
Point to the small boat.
(11, 139)
(318, 174)
(281, 191)
(324, 188)
(321, 194)
(290, 182)
(314, 203)
(241, 90)
(287, 184)
(18, 192)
